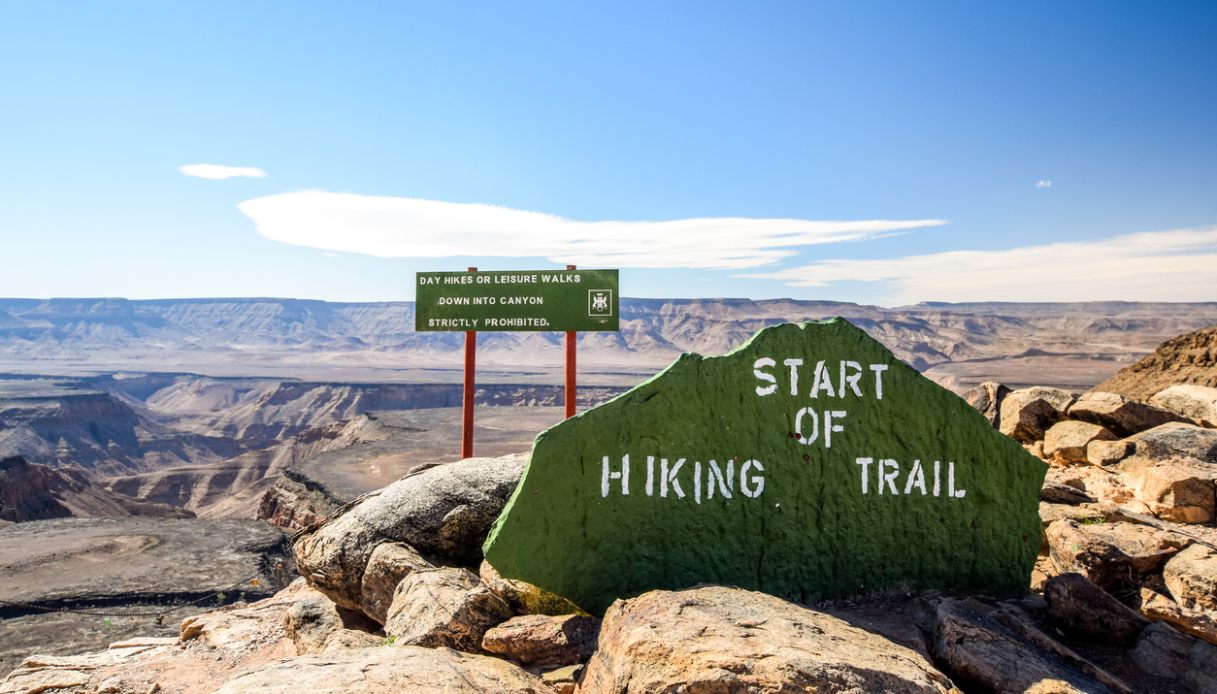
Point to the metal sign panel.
(517, 300)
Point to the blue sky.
(912, 151)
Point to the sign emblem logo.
(599, 302)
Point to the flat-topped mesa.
(809, 462)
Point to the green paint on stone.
(796, 522)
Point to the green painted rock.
(808, 463)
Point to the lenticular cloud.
(415, 228)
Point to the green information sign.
(809, 462)
(536, 300)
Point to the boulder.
(349, 640)
(1112, 555)
(313, 619)
(1028, 412)
(544, 641)
(1100, 484)
(524, 597)
(1191, 577)
(1118, 413)
(388, 670)
(1102, 453)
(1197, 403)
(1200, 677)
(1066, 441)
(444, 512)
(1056, 492)
(1084, 610)
(987, 398)
(444, 607)
(718, 639)
(996, 654)
(234, 627)
(389, 563)
(1177, 439)
(563, 679)
(1178, 489)
(1164, 652)
(1159, 608)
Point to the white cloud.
(219, 172)
(1176, 265)
(410, 227)
(1043, 183)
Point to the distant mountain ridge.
(376, 341)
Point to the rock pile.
(1128, 508)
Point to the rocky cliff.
(1189, 359)
(36, 492)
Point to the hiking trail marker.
(568, 301)
(809, 462)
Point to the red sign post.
(471, 348)
(570, 367)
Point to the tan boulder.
(544, 641)
(388, 670)
(1100, 484)
(1177, 439)
(1102, 452)
(718, 639)
(986, 399)
(1191, 577)
(389, 563)
(1118, 413)
(1159, 608)
(234, 627)
(444, 607)
(312, 620)
(1179, 489)
(1067, 441)
(563, 679)
(1028, 412)
(998, 650)
(349, 640)
(444, 512)
(1197, 403)
(1112, 555)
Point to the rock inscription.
(809, 462)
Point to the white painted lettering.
(865, 463)
(888, 478)
(765, 362)
(794, 374)
(831, 427)
(916, 479)
(725, 484)
(815, 425)
(667, 477)
(751, 487)
(878, 369)
(650, 474)
(623, 474)
(851, 379)
(822, 382)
